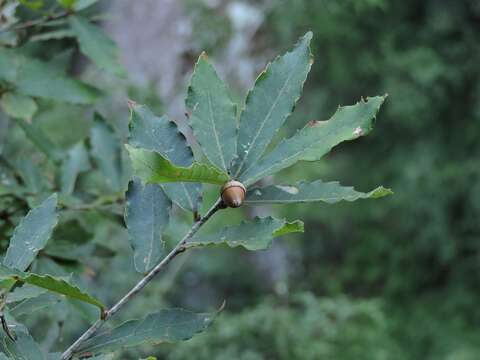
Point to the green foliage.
(32, 77)
(96, 45)
(267, 106)
(306, 328)
(88, 234)
(418, 251)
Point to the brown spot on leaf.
(316, 122)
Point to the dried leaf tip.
(131, 104)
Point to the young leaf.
(97, 46)
(54, 284)
(170, 325)
(36, 78)
(32, 234)
(252, 235)
(161, 135)
(18, 105)
(152, 167)
(213, 115)
(74, 163)
(302, 192)
(146, 215)
(107, 152)
(317, 138)
(270, 102)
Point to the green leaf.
(54, 284)
(40, 139)
(32, 234)
(18, 105)
(24, 348)
(35, 78)
(74, 163)
(252, 235)
(106, 151)
(161, 135)
(317, 138)
(146, 216)
(213, 115)
(170, 325)
(97, 46)
(152, 167)
(303, 192)
(270, 102)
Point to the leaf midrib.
(217, 140)
(302, 150)
(264, 122)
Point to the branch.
(143, 282)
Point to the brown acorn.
(233, 193)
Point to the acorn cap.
(233, 193)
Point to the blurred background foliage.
(396, 278)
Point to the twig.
(37, 22)
(179, 248)
(3, 301)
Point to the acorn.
(233, 193)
